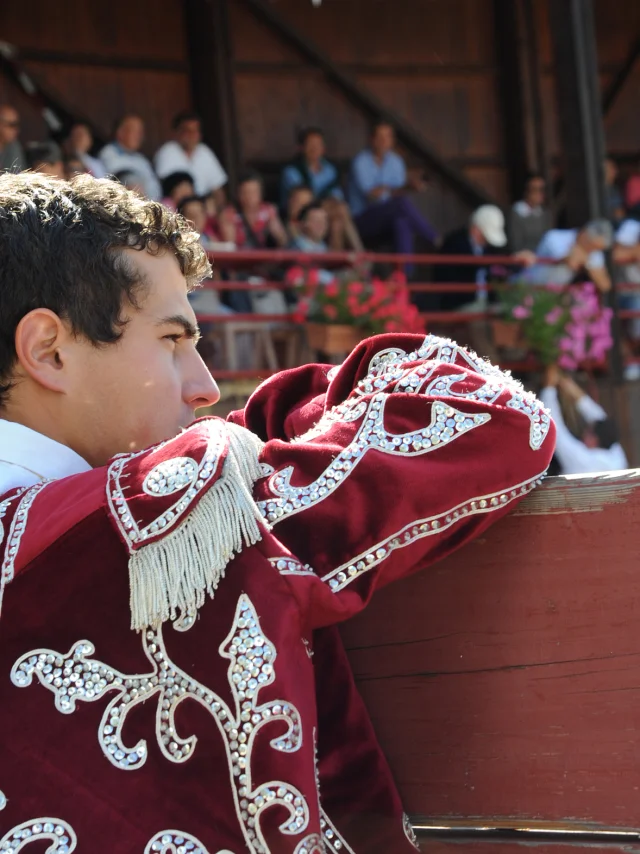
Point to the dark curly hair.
(59, 249)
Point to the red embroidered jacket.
(197, 730)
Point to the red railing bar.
(332, 259)
(438, 317)
(514, 365)
(245, 318)
(413, 287)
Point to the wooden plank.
(489, 847)
(505, 680)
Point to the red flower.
(313, 277)
(332, 290)
(294, 276)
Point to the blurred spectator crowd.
(374, 208)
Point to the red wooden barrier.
(504, 682)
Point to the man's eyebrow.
(190, 330)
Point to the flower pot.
(506, 334)
(334, 339)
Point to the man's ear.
(42, 343)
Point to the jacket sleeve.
(415, 447)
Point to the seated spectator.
(299, 198)
(252, 223)
(73, 166)
(613, 194)
(626, 257)
(312, 235)
(484, 235)
(312, 170)
(176, 187)
(12, 157)
(186, 152)
(632, 193)
(131, 180)
(124, 155)
(598, 448)
(193, 209)
(313, 229)
(574, 254)
(377, 185)
(529, 219)
(79, 143)
(45, 157)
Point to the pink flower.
(576, 331)
(520, 312)
(554, 315)
(528, 300)
(565, 361)
(330, 312)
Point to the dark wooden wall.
(433, 61)
(101, 59)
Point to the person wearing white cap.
(488, 226)
(484, 235)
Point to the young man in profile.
(166, 586)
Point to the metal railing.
(244, 261)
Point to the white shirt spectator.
(116, 159)
(28, 457)
(95, 166)
(572, 454)
(208, 175)
(558, 243)
(628, 234)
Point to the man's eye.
(175, 338)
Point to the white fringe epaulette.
(171, 577)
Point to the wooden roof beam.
(365, 101)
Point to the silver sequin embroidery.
(77, 677)
(59, 833)
(290, 566)
(175, 842)
(447, 424)
(311, 844)
(171, 476)
(127, 525)
(342, 576)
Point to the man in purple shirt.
(377, 185)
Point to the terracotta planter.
(333, 339)
(506, 334)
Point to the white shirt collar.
(27, 457)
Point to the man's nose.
(202, 390)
